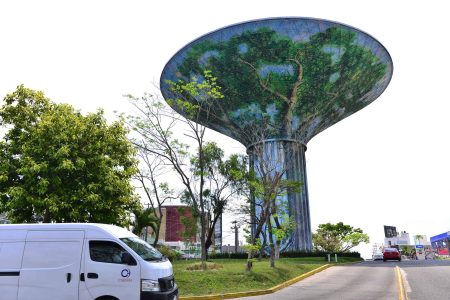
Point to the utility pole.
(236, 235)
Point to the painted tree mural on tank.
(295, 76)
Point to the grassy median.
(228, 275)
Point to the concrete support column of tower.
(287, 157)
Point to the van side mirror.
(127, 259)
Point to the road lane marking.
(406, 285)
(402, 295)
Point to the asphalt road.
(422, 280)
(426, 279)
(367, 280)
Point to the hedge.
(241, 255)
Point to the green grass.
(233, 278)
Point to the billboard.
(390, 231)
(441, 243)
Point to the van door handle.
(69, 277)
(82, 277)
(92, 275)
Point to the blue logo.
(125, 273)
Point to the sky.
(387, 164)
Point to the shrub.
(209, 266)
(228, 255)
(242, 255)
(171, 254)
(318, 254)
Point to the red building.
(173, 225)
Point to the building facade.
(173, 231)
(402, 238)
(441, 243)
(392, 238)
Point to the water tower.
(284, 80)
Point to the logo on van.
(125, 273)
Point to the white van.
(81, 262)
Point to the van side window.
(106, 252)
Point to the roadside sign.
(420, 253)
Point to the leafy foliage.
(150, 170)
(243, 255)
(60, 166)
(296, 88)
(207, 179)
(273, 222)
(225, 180)
(231, 278)
(338, 237)
(144, 217)
(190, 224)
(168, 252)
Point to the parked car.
(188, 254)
(377, 256)
(391, 254)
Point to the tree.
(407, 250)
(60, 166)
(198, 102)
(270, 213)
(224, 179)
(151, 168)
(155, 123)
(144, 217)
(281, 230)
(338, 237)
(418, 238)
(189, 220)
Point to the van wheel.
(106, 298)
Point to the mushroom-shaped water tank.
(284, 80)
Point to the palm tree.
(417, 238)
(144, 217)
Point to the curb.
(258, 292)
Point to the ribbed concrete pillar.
(287, 156)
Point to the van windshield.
(143, 249)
